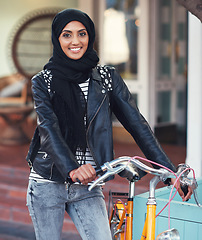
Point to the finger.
(177, 186)
(76, 175)
(71, 174)
(188, 196)
(81, 177)
(181, 193)
(86, 173)
(90, 168)
(90, 171)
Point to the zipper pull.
(45, 155)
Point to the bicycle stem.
(152, 186)
(131, 189)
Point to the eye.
(66, 35)
(82, 34)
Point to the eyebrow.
(66, 30)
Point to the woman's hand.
(85, 174)
(181, 193)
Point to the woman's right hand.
(181, 193)
(85, 174)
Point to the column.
(194, 118)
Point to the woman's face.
(74, 40)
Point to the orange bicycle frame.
(121, 209)
(148, 232)
(125, 213)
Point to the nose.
(75, 40)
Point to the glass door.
(121, 27)
(171, 83)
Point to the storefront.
(147, 41)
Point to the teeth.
(75, 49)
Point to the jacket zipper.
(51, 173)
(88, 131)
(45, 155)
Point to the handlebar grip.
(78, 180)
(99, 171)
(184, 188)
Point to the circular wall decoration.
(30, 44)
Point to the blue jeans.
(47, 203)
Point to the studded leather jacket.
(49, 154)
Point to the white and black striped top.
(87, 157)
(80, 156)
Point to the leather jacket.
(49, 153)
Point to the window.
(31, 45)
(121, 25)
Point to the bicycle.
(121, 217)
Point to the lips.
(75, 49)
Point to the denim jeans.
(47, 203)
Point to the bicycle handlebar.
(118, 165)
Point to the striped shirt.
(80, 156)
(87, 158)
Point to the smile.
(75, 49)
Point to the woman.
(74, 99)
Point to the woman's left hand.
(181, 193)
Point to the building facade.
(153, 44)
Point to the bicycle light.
(171, 234)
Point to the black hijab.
(68, 101)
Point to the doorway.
(171, 72)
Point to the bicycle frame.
(129, 214)
(149, 227)
(121, 211)
(126, 212)
(150, 222)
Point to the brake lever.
(110, 172)
(194, 186)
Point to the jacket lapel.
(96, 95)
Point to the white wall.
(143, 59)
(11, 12)
(194, 129)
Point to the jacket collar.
(96, 75)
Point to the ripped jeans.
(47, 203)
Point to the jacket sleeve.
(125, 109)
(51, 139)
